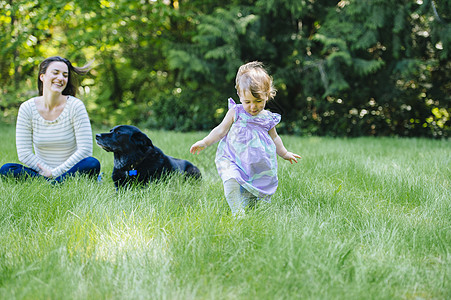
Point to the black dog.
(137, 160)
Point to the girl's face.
(251, 104)
(55, 77)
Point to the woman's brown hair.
(72, 82)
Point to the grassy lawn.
(365, 218)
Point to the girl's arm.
(216, 134)
(280, 148)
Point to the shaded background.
(341, 68)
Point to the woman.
(56, 125)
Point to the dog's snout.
(98, 135)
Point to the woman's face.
(55, 77)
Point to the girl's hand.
(291, 157)
(197, 147)
(44, 172)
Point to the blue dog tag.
(132, 172)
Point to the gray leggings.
(238, 197)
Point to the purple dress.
(248, 154)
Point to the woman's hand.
(44, 171)
(197, 147)
(291, 157)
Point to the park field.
(362, 218)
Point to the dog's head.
(125, 141)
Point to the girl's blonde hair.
(254, 78)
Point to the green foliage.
(328, 59)
(364, 67)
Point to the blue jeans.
(89, 166)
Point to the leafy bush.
(348, 68)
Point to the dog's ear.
(141, 140)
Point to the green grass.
(365, 218)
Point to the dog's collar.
(132, 171)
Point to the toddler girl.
(246, 155)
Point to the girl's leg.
(233, 196)
(248, 199)
(89, 166)
(17, 170)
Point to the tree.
(340, 67)
(346, 68)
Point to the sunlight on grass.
(356, 218)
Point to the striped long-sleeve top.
(58, 144)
